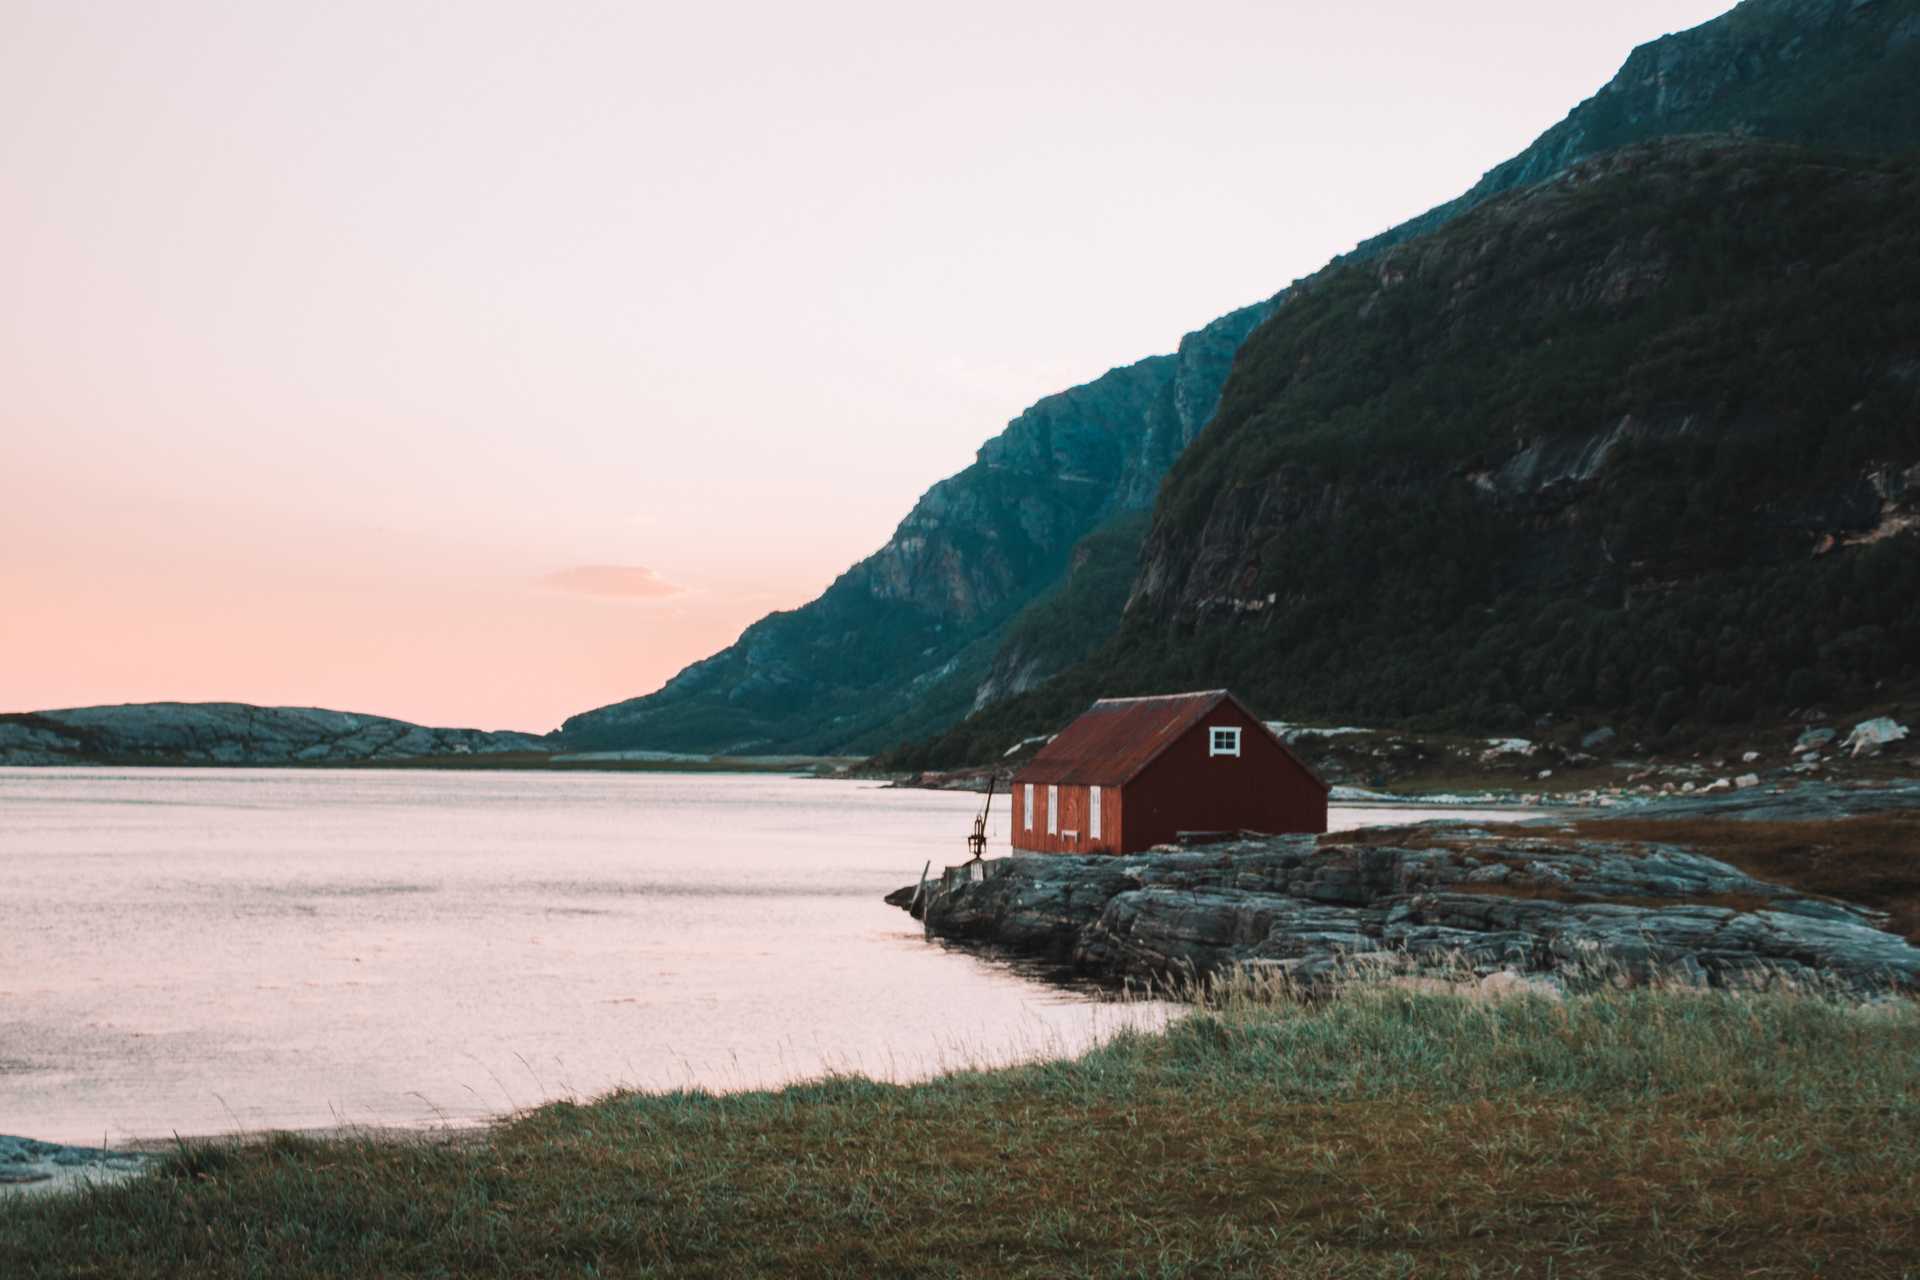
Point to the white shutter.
(1053, 809)
(1029, 805)
(1093, 813)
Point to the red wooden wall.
(1075, 830)
(1184, 789)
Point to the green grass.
(1385, 1133)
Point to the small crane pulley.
(977, 841)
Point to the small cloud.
(613, 582)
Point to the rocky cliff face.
(1072, 619)
(232, 733)
(920, 617)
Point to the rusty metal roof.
(1115, 738)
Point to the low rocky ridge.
(1440, 898)
(233, 733)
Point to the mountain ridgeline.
(899, 643)
(1568, 442)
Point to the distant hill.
(232, 733)
(962, 609)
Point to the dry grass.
(1384, 1133)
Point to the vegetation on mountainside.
(1854, 87)
(1753, 309)
(817, 695)
(1052, 632)
(1763, 289)
(1076, 617)
(1385, 1133)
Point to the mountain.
(232, 733)
(1640, 443)
(962, 608)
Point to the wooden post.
(926, 903)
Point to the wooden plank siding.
(1076, 833)
(1265, 788)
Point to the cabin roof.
(1115, 738)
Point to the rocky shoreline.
(28, 1166)
(1525, 900)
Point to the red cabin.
(1131, 773)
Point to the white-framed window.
(1093, 813)
(1053, 809)
(1028, 807)
(1223, 740)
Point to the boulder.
(1814, 739)
(1869, 736)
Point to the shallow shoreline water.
(211, 951)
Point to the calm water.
(204, 950)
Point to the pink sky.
(483, 363)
